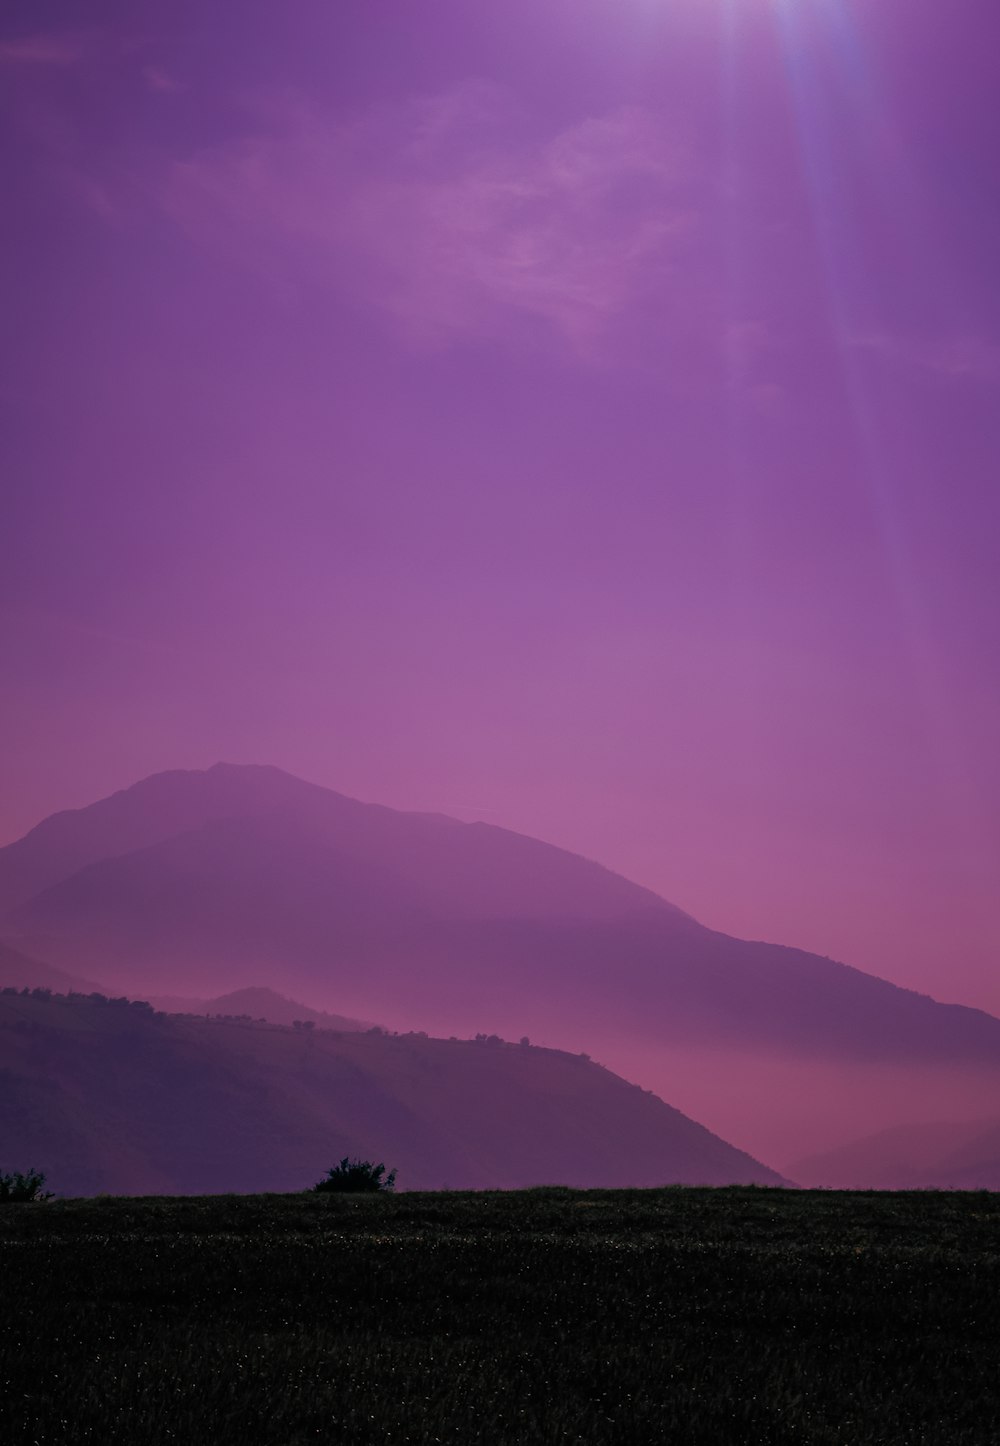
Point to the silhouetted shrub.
(356, 1176)
(16, 1188)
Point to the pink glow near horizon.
(582, 416)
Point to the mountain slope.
(109, 1096)
(938, 1155)
(419, 918)
(477, 870)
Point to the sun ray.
(830, 76)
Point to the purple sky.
(578, 414)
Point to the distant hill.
(189, 883)
(22, 972)
(259, 1004)
(110, 1096)
(936, 1155)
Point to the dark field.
(670, 1316)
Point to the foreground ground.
(670, 1316)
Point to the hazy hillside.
(259, 1004)
(939, 1155)
(109, 1096)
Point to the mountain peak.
(440, 865)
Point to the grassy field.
(670, 1316)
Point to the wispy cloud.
(61, 49)
(961, 357)
(160, 80)
(447, 216)
(98, 47)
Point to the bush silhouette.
(16, 1188)
(357, 1176)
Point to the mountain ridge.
(108, 1095)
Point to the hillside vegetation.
(261, 1004)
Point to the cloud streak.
(432, 214)
(960, 358)
(61, 50)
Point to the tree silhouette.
(16, 1188)
(357, 1176)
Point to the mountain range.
(245, 876)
